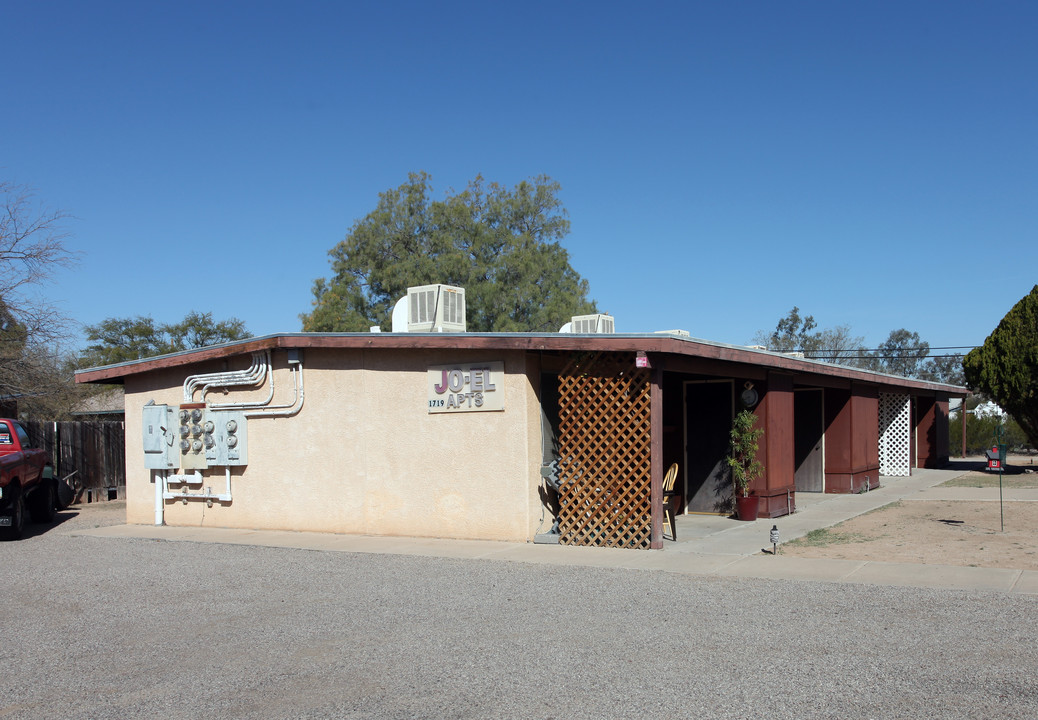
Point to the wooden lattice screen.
(604, 469)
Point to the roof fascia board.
(670, 345)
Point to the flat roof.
(665, 344)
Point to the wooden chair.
(668, 494)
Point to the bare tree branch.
(32, 242)
(32, 248)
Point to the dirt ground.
(943, 531)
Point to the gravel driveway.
(104, 628)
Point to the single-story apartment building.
(501, 436)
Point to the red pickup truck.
(24, 484)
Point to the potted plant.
(743, 462)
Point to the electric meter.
(227, 430)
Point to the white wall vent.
(435, 308)
(587, 324)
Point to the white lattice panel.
(895, 435)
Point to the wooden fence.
(92, 450)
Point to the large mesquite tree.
(500, 244)
(1005, 367)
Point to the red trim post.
(962, 411)
(656, 455)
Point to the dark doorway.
(808, 432)
(708, 420)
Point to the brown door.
(808, 432)
(708, 420)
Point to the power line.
(878, 357)
(906, 349)
(886, 353)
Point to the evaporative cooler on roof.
(435, 308)
(585, 324)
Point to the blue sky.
(874, 163)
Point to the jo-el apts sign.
(472, 387)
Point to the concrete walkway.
(707, 545)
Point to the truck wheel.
(65, 494)
(42, 503)
(17, 526)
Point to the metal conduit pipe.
(284, 410)
(193, 381)
(257, 361)
(250, 376)
(246, 405)
(239, 377)
(297, 382)
(268, 373)
(255, 379)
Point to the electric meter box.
(193, 437)
(158, 433)
(192, 447)
(225, 437)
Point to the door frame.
(821, 404)
(684, 423)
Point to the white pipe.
(297, 389)
(246, 405)
(261, 408)
(205, 495)
(251, 376)
(195, 479)
(160, 481)
(192, 382)
(257, 358)
(254, 378)
(284, 410)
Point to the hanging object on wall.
(749, 395)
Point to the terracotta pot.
(747, 507)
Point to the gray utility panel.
(193, 437)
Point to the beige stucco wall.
(364, 455)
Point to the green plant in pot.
(743, 462)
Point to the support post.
(656, 455)
(962, 413)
